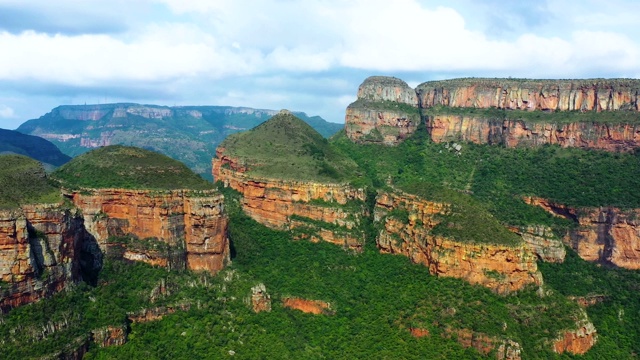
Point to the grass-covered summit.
(285, 147)
(24, 181)
(128, 167)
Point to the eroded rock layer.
(502, 268)
(43, 250)
(194, 223)
(327, 212)
(579, 340)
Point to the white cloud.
(6, 112)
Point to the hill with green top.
(14, 142)
(23, 181)
(285, 147)
(189, 134)
(127, 167)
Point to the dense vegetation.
(127, 167)
(287, 148)
(24, 181)
(186, 133)
(31, 146)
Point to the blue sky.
(301, 55)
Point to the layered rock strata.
(604, 234)
(577, 341)
(386, 112)
(43, 250)
(327, 212)
(542, 241)
(192, 225)
(502, 268)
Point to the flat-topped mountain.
(186, 133)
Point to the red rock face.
(513, 133)
(308, 306)
(504, 269)
(550, 95)
(40, 249)
(110, 336)
(606, 234)
(577, 341)
(379, 126)
(289, 205)
(506, 349)
(195, 221)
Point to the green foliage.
(128, 167)
(286, 148)
(23, 181)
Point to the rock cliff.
(386, 112)
(192, 225)
(43, 250)
(604, 234)
(577, 341)
(498, 111)
(327, 212)
(542, 241)
(316, 307)
(502, 268)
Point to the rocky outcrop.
(604, 234)
(530, 95)
(327, 212)
(386, 112)
(191, 226)
(110, 335)
(512, 132)
(308, 306)
(577, 341)
(543, 242)
(259, 299)
(502, 268)
(505, 349)
(156, 313)
(43, 250)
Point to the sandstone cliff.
(604, 234)
(43, 250)
(542, 241)
(385, 112)
(501, 268)
(327, 212)
(193, 223)
(577, 341)
(519, 94)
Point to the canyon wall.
(191, 224)
(326, 212)
(604, 234)
(386, 113)
(502, 268)
(530, 95)
(43, 250)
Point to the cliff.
(502, 268)
(327, 212)
(191, 224)
(530, 95)
(591, 113)
(577, 341)
(316, 307)
(386, 112)
(542, 241)
(43, 250)
(604, 234)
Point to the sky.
(306, 55)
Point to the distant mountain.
(186, 133)
(14, 142)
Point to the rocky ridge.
(464, 109)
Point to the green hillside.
(189, 134)
(32, 146)
(24, 181)
(128, 167)
(285, 147)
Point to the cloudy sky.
(306, 55)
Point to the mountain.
(186, 133)
(33, 146)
